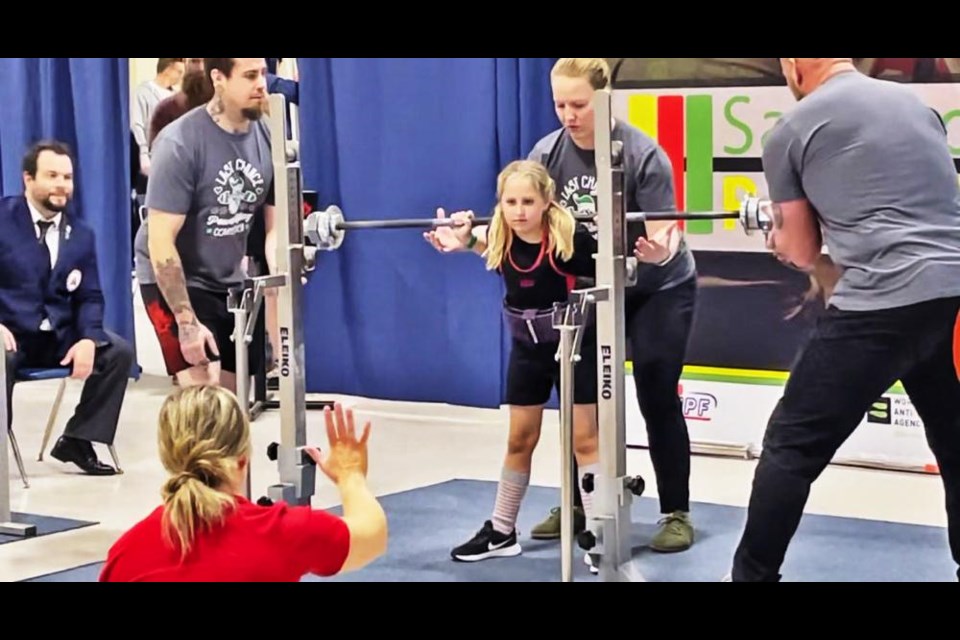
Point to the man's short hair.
(223, 65)
(30, 158)
(164, 63)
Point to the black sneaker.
(488, 543)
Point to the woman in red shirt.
(206, 531)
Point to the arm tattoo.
(173, 286)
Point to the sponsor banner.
(732, 407)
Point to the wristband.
(473, 241)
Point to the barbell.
(326, 229)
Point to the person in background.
(212, 177)
(145, 99)
(660, 307)
(51, 304)
(196, 89)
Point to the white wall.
(141, 69)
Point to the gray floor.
(425, 523)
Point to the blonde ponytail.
(562, 226)
(499, 240)
(202, 435)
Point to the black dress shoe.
(80, 453)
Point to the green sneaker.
(675, 534)
(549, 529)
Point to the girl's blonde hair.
(559, 222)
(202, 434)
(595, 70)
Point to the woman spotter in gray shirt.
(660, 307)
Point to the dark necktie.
(44, 226)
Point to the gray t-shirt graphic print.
(219, 181)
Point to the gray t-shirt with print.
(874, 163)
(648, 182)
(219, 181)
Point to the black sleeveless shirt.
(535, 278)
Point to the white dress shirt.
(53, 242)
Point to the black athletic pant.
(852, 359)
(658, 327)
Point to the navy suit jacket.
(72, 300)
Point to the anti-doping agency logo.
(896, 410)
(879, 412)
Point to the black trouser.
(98, 412)
(852, 359)
(658, 326)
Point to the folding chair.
(35, 375)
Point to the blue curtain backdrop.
(85, 103)
(386, 316)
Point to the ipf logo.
(697, 405)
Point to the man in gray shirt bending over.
(212, 173)
(862, 164)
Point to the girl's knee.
(585, 442)
(521, 443)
